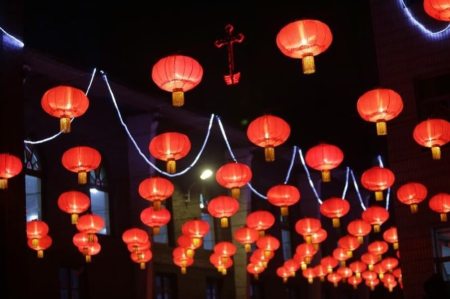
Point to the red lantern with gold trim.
(40, 245)
(156, 190)
(223, 207)
(412, 194)
(81, 159)
(74, 203)
(196, 229)
(283, 196)
(440, 203)
(155, 218)
(169, 147)
(438, 9)
(433, 133)
(10, 166)
(306, 227)
(390, 236)
(377, 179)
(324, 157)
(335, 208)
(233, 176)
(375, 216)
(246, 236)
(260, 221)
(141, 257)
(359, 228)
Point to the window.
(209, 238)
(99, 197)
(212, 288)
(165, 286)
(69, 284)
(442, 252)
(286, 242)
(32, 184)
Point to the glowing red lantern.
(268, 244)
(349, 243)
(141, 257)
(372, 283)
(379, 269)
(390, 236)
(225, 249)
(379, 106)
(90, 250)
(10, 166)
(155, 190)
(139, 247)
(329, 263)
(195, 229)
(309, 274)
(40, 245)
(378, 248)
(233, 176)
(440, 203)
(170, 147)
(223, 207)
(318, 237)
(83, 239)
(260, 221)
(268, 131)
(283, 273)
(377, 179)
(181, 259)
(359, 228)
(335, 208)
(358, 267)
(188, 244)
(389, 283)
(306, 227)
(135, 236)
(255, 269)
(65, 102)
(433, 133)
(155, 219)
(370, 259)
(324, 157)
(375, 216)
(341, 255)
(222, 263)
(412, 194)
(438, 9)
(90, 224)
(389, 264)
(246, 236)
(36, 229)
(177, 74)
(306, 252)
(354, 281)
(369, 275)
(334, 278)
(283, 196)
(345, 272)
(292, 266)
(81, 159)
(74, 203)
(320, 271)
(304, 39)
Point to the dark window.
(213, 288)
(286, 243)
(209, 238)
(99, 197)
(442, 251)
(69, 283)
(32, 184)
(165, 286)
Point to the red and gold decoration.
(324, 157)
(81, 160)
(169, 147)
(233, 176)
(223, 207)
(377, 179)
(156, 190)
(283, 196)
(10, 166)
(440, 203)
(155, 218)
(335, 208)
(375, 216)
(246, 236)
(438, 9)
(260, 221)
(433, 133)
(74, 203)
(412, 194)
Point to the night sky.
(126, 40)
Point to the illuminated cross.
(229, 40)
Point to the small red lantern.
(306, 252)
(220, 262)
(261, 256)
(412, 194)
(334, 278)
(324, 157)
(379, 106)
(389, 264)
(378, 248)
(223, 207)
(335, 208)
(268, 243)
(349, 243)
(283, 273)
(358, 267)
(225, 250)
(177, 74)
(84, 240)
(181, 259)
(341, 255)
(304, 39)
(438, 9)
(260, 221)
(36, 229)
(377, 179)
(320, 271)
(90, 224)
(283, 196)
(10, 166)
(40, 245)
(369, 275)
(354, 281)
(379, 269)
(268, 131)
(375, 216)
(195, 229)
(188, 244)
(233, 176)
(74, 203)
(309, 274)
(390, 236)
(292, 266)
(318, 237)
(372, 283)
(433, 133)
(155, 218)
(370, 259)
(329, 263)
(359, 228)
(139, 247)
(306, 227)
(135, 236)
(81, 159)
(345, 272)
(255, 269)
(440, 203)
(246, 236)
(155, 190)
(65, 102)
(170, 147)
(90, 250)
(141, 257)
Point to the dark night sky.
(127, 40)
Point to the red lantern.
(358, 267)
(36, 229)
(349, 243)
(306, 252)
(221, 263)
(378, 248)
(438, 9)
(377, 179)
(318, 237)
(81, 159)
(268, 131)
(177, 74)
(324, 157)
(83, 239)
(90, 224)
(135, 236)
(225, 248)
(181, 259)
(74, 203)
(379, 106)
(155, 219)
(390, 236)
(370, 259)
(345, 272)
(309, 274)
(255, 269)
(320, 271)
(372, 283)
(246, 236)
(139, 247)
(375, 216)
(195, 229)
(389, 283)
(440, 203)
(188, 244)
(283, 273)
(65, 102)
(170, 147)
(341, 255)
(141, 257)
(354, 281)
(292, 266)
(378, 268)
(304, 39)
(155, 190)
(260, 221)
(359, 228)
(329, 263)
(389, 264)
(334, 278)
(283, 196)
(335, 208)
(40, 245)
(90, 250)
(306, 227)
(412, 194)
(433, 133)
(234, 176)
(262, 257)
(223, 207)
(268, 243)
(10, 166)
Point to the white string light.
(291, 164)
(13, 40)
(308, 175)
(347, 176)
(358, 194)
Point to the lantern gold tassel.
(224, 222)
(157, 205)
(443, 217)
(414, 208)
(247, 247)
(40, 254)
(156, 230)
(284, 211)
(381, 128)
(3, 184)
(82, 177)
(64, 125)
(378, 195)
(308, 64)
(88, 258)
(269, 153)
(177, 97)
(142, 265)
(436, 152)
(336, 222)
(171, 166)
(235, 193)
(326, 176)
(74, 218)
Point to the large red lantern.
(135, 236)
(412, 194)
(324, 157)
(358, 267)
(318, 237)
(432, 133)
(349, 243)
(155, 190)
(170, 147)
(377, 179)
(196, 229)
(141, 257)
(389, 263)
(375, 216)
(225, 250)
(335, 208)
(440, 203)
(83, 239)
(90, 224)
(233, 176)
(246, 236)
(36, 229)
(260, 221)
(10, 166)
(268, 131)
(223, 207)
(438, 9)
(65, 102)
(359, 228)
(379, 106)
(181, 259)
(81, 159)
(74, 203)
(177, 74)
(283, 196)
(345, 272)
(304, 39)
(390, 236)
(155, 218)
(369, 275)
(40, 245)
(370, 259)
(306, 227)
